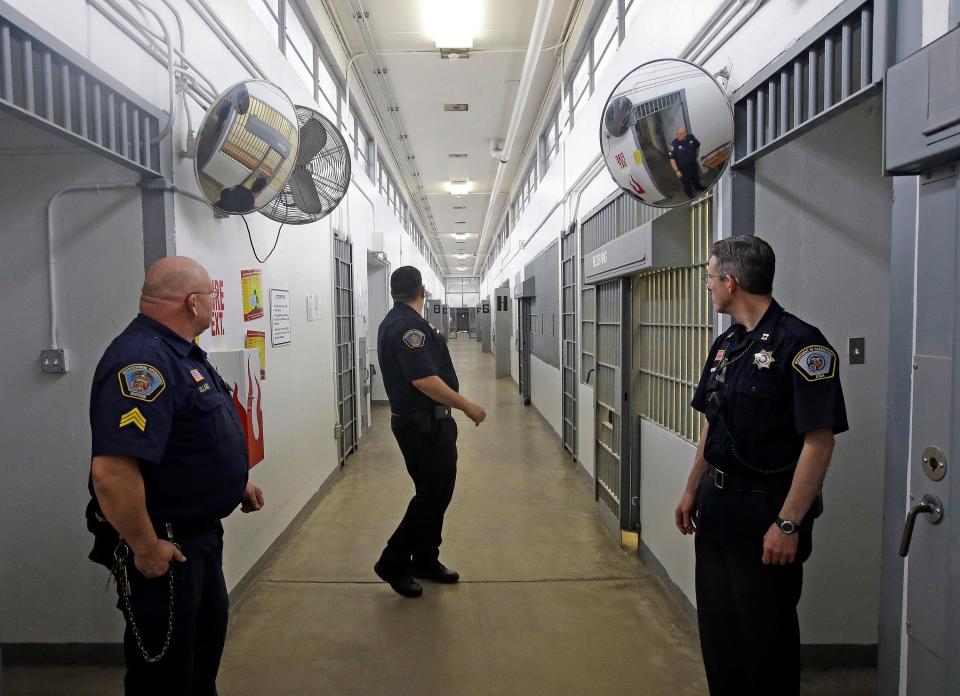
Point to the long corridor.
(547, 603)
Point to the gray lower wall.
(49, 591)
(825, 208)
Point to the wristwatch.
(786, 526)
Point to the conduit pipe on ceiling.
(699, 49)
(537, 35)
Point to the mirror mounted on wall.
(667, 133)
(246, 147)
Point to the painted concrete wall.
(666, 461)
(49, 591)
(824, 207)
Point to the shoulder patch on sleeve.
(816, 363)
(141, 381)
(414, 338)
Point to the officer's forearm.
(119, 487)
(437, 389)
(809, 474)
(699, 462)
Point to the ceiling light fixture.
(459, 188)
(460, 256)
(451, 23)
(461, 268)
(460, 236)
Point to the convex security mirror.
(667, 133)
(246, 147)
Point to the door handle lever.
(931, 508)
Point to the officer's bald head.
(405, 284)
(176, 293)
(173, 278)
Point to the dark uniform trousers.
(747, 611)
(431, 459)
(691, 178)
(189, 668)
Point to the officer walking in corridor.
(422, 386)
(685, 160)
(771, 392)
(169, 462)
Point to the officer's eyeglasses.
(213, 294)
(707, 276)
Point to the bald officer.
(169, 462)
(422, 386)
(771, 392)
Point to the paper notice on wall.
(251, 284)
(258, 341)
(313, 307)
(280, 330)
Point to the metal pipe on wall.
(51, 238)
(538, 33)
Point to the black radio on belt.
(716, 404)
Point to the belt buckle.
(719, 478)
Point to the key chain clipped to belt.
(120, 555)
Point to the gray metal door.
(612, 439)
(346, 349)
(933, 595)
(568, 353)
(524, 327)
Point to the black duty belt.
(750, 484)
(438, 412)
(185, 528)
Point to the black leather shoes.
(401, 582)
(437, 572)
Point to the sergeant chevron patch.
(133, 417)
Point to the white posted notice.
(280, 332)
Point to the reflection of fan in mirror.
(320, 177)
(667, 133)
(246, 147)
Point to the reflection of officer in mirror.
(423, 387)
(684, 158)
(771, 392)
(169, 462)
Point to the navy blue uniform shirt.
(157, 399)
(685, 151)
(409, 348)
(779, 381)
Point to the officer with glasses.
(169, 462)
(771, 393)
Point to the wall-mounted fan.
(321, 174)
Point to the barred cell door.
(611, 407)
(524, 330)
(568, 356)
(346, 349)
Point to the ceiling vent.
(456, 107)
(457, 155)
(454, 53)
(459, 207)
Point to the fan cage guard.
(330, 170)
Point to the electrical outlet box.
(858, 351)
(53, 360)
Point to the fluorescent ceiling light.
(451, 23)
(461, 268)
(459, 188)
(460, 256)
(459, 236)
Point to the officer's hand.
(684, 513)
(475, 413)
(252, 498)
(779, 548)
(156, 562)
(679, 174)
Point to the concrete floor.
(547, 604)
